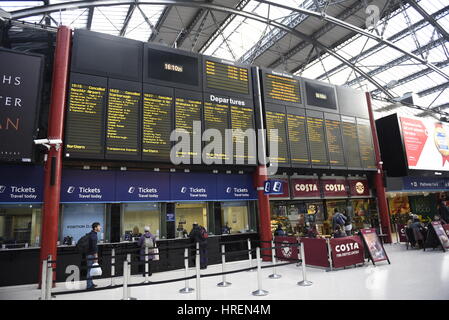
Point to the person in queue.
(339, 233)
(147, 240)
(419, 231)
(279, 232)
(338, 219)
(348, 223)
(199, 234)
(92, 253)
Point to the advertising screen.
(374, 246)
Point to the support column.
(53, 165)
(384, 216)
(264, 209)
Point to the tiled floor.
(413, 274)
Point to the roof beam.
(90, 17)
(159, 23)
(198, 16)
(127, 19)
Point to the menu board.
(281, 88)
(216, 116)
(122, 120)
(157, 121)
(84, 136)
(242, 118)
(367, 155)
(317, 142)
(277, 120)
(188, 108)
(334, 142)
(227, 77)
(297, 135)
(350, 142)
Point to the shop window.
(234, 217)
(188, 213)
(77, 219)
(20, 224)
(138, 215)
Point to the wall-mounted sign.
(334, 187)
(273, 187)
(142, 186)
(358, 188)
(305, 188)
(21, 184)
(87, 186)
(285, 189)
(235, 187)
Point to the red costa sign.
(334, 187)
(285, 189)
(359, 188)
(305, 188)
(286, 250)
(401, 232)
(346, 251)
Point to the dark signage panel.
(350, 142)
(281, 88)
(366, 144)
(105, 55)
(84, 135)
(226, 77)
(276, 119)
(20, 86)
(297, 136)
(352, 102)
(157, 123)
(170, 67)
(317, 141)
(122, 120)
(320, 95)
(216, 116)
(334, 141)
(242, 118)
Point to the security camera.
(41, 141)
(55, 141)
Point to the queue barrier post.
(250, 256)
(125, 280)
(49, 278)
(329, 254)
(273, 260)
(186, 289)
(223, 283)
(259, 291)
(304, 282)
(113, 266)
(128, 260)
(44, 280)
(198, 275)
(146, 265)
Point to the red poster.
(401, 232)
(315, 250)
(441, 234)
(358, 187)
(285, 189)
(334, 187)
(415, 137)
(305, 188)
(347, 251)
(374, 246)
(287, 251)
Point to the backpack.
(203, 233)
(148, 243)
(339, 219)
(83, 244)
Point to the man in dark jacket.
(196, 235)
(443, 212)
(92, 253)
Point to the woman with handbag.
(147, 240)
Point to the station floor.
(413, 274)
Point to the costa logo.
(351, 246)
(286, 249)
(334, 187)
(306, 187)
(359, 188)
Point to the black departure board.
(157, 123)
(280, 88)
(84, 136)
(334, 142)
(366, 144)
(297, 136)
(277, 120)
(242, 119)
(216, 116)
(350, 142)
(227, 77)
(188, 108)
(122, 120)
(317, 141)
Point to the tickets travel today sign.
(426, 144)
(347, 251)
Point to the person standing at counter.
(92, 253)
(338, 219)
(199, 234)
(147, 240)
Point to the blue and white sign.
(21, 184)
(273, 187)
(87, 186)
(142, 186)
(193, 186)
(235, 187)
(422, 183)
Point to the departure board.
(334, 143)
(157, 123)
(122, 120)
(317, 142)
(227, 77)
(350, 142)
(242, 118)
(281, 88)
(366, 144)
(187, 110)
(297, 136)
(85, 126)
(277, 120)
(216, 116)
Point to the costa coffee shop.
(313, 199)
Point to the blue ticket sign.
(193, 186)
(273, 187)
(87, 186)
(21, 184)
(235, 187)
(142, 186)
